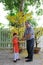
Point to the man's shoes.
(29, 60)
(26, 57)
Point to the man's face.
(27, 25)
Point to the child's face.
(15, 35)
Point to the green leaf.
(40, 12)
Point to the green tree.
(1, 25)
(39, 12)
(19, 5)
(33, 22)
(15, 6)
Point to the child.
(15, 47)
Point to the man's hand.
(23, 38)
(28, 36)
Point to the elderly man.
(29, 37)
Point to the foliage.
(39, 31)
(19, 18)
(18, 22)
(39, 12)
(19, 31)
(16, 5)
(38, 34)
(33, 22)
(1, 25)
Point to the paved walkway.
(6, 58)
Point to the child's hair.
(14, 34)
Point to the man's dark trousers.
(30, 48)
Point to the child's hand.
(23, 39)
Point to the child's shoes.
(18, 59)
(14, 60)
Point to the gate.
(5, 38)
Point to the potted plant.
(36, 48)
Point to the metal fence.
(6, 39)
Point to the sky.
(6, 22)
(39, 19)
(3, 15)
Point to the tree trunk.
(21, 5)
(36, 44)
